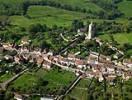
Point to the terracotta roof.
(39, 60)
(129, 61)
(79, 62)
(1, 49)
(71, 55)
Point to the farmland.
(54, 80)
(125, 7)
(46, 15)
(121, 38)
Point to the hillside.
(46, 15)
(126, 7)
(70, 49)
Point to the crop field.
(46, 15)
(80, 91)
(54, 78)
(121, 38)
(81, 3)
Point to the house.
(63, 61)
(46, 98)
(24, 42)
(25, 55)
(94, 54)
(17, 59)
(100, 77)
(1, 50)
(98, 40)
(80, 63)
(66, 62)
(81, 31)
(71, 57)
(46, 65)
(110, 70)
(18, 96)
(8, 57)
(119, 72)
(128, 63)
(50, 57)
(55, 59)
(104, 58)
(90, 74)
(1, 58)
(39, 60)
(111, 79)
(7, 46)
(93, 58)
(50, 53)
(71, 62)
(117, 56)
(127, 75)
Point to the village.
(95, 65)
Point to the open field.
(5, 77)
(80, 91)
(47, 11)
(46, 15)
(80, 3)
(54, 78)
(121, 38)
(126, 8)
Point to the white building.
(90, 32)
(46, 98)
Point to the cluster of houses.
(24, 55)
(96, 65)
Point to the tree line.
(21, 7)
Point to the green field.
(80, 91)
(46, 15)
(81, 3)
(55, 80)
(126, 8)
(121, 38)
(5, 77)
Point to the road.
(5, 84)
(72, 85)
(68, 45)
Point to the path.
(68, 45)
(5, 84)
(72, 85)
(61, 66)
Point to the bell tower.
(90, 31)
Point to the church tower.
(90, 31)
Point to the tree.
(37, 28)
(114, 42)
(76, 24)
(44, 45)
(8, 95)
(4, 21)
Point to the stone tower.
(90, 31)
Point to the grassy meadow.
(121, 38)
(46, 15)
(81, 3)
(5, 77)
(55, 79)
(126, 8)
